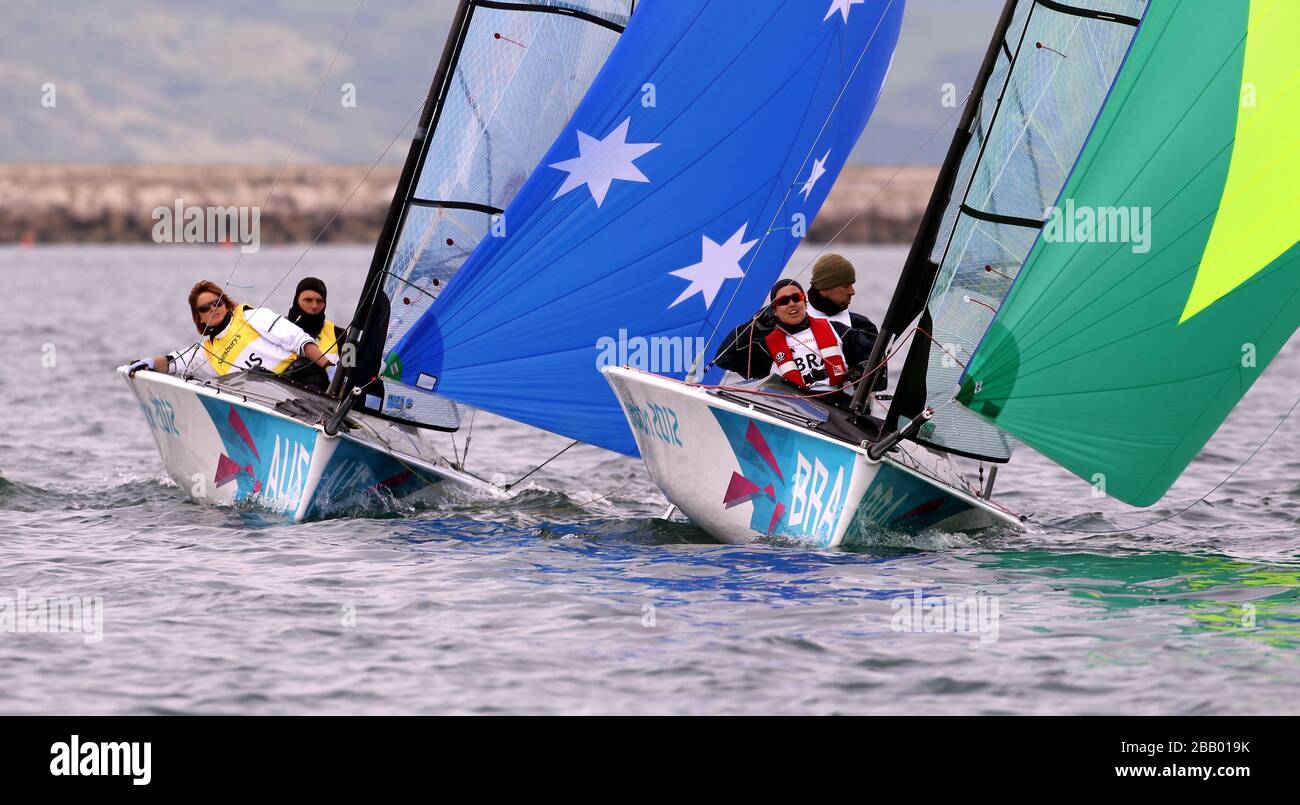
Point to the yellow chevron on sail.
(1259, 214)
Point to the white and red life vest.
(812, 363)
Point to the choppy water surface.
(573, 597)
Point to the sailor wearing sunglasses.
(809, 351)
(233, 337)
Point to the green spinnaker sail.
(1169, 275)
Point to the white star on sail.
(600, 162)
(818, 171)
(718, 263)
(841, 6)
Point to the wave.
(23, 497)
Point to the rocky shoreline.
(92, 203)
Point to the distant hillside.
(42, 203)
(195, 82)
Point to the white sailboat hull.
(222, 447)
(740, 473)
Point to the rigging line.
(935, 341)
(394, 454)
(910, 161)
(1189, 506)
(301, 127)
(418, 473)
(469, 437)
(811, 150)
(331, 220)
(979, 155)
(543, 464)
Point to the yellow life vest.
(328, 340)
(225, 351)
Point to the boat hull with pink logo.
(252, 440)
(749, 462)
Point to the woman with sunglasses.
(234, 337)
(808, 351)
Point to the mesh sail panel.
(614, 11)
(431, 248)
(517, 78)
(988, 103)
(1038, 109)
(520, 76)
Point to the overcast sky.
(195, 81)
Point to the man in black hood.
(308, 312)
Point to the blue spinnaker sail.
(663, 212)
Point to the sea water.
(573, 596)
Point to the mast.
(510, 76)
(356, 331)
(1104, 359)
(645, 235)
(919, 270)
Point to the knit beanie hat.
(832, 271)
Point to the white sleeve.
(190, 361)
(278, 330)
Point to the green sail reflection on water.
(1219, 594)
(1119, 362)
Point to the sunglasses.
(203, 309)
(788, 299)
